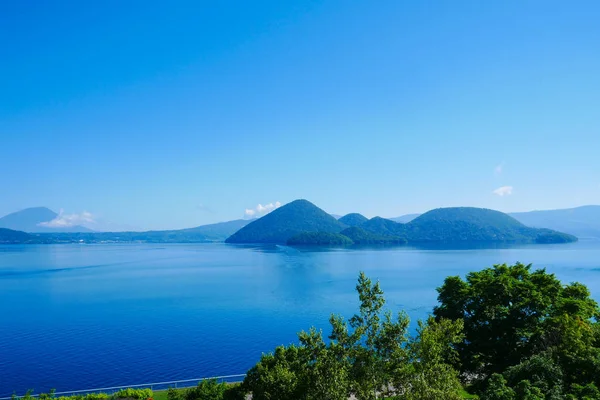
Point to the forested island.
(302, 223)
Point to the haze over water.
(78, 317)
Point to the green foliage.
(319, 238)
(468, 224)
(285, 222)
(104, 396)
(278, 376)
(458, 224)
(511, 313)
(208, 389)
(374, 341)
(431, 377)
(385, 228)
(527, 326)
(175, 394)
(369, 356)
(362, 237)
(137, 394)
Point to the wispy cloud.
(499, 168)
(261, 210)
(503, 191)
(63, 220)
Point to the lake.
(85, 316)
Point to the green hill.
(361, 236)
(9, 236)
(353, 219)
(468, 224)
(319, 239)
(442, 225)
(384, 227)
(286, 222)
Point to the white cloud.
(498, 169)
(261, 210)
(504, 191)
(63, 220)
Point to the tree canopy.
(538, 333)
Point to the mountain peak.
(353, 219)
(287, 221)
(33, 220)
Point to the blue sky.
(175, 114)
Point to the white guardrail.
(187, 383)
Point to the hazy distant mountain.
(219, 231)
(286, 222)
(31, 220)
(583, 222)
(353, 219)
(201, 234)
(403, 219)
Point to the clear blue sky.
(174, 114)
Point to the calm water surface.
(77, 317)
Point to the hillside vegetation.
(444, 225)
(9, 236)
(319, 238)
(286, 222)
(360, 236)
(477, 225)
(353, 219)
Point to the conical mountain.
(285, 222)
(36, 220)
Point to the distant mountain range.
(301, 222)
(36, 220)
(405, 218)
(583, 222)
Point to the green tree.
(327, 368)
(208, 389)
(373, 341)
(278, 376)
(431, 377)
(511, 313)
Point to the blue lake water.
(78, 317)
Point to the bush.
(137, 394)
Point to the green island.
(302, 223)
(507, 332)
